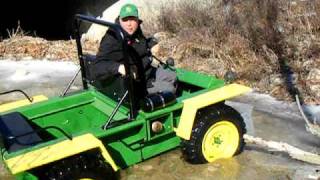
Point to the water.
(270, 120)
(253, 163)
(36, 77)
(172, 166)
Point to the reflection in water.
(171, 165)
(229, 168)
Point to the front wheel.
(217, 133)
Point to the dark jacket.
(110, 54)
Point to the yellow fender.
(191, 106)
(16, 104)
(56, 152)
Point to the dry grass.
(18, 32)
(262, 41)
(20, 46)
(259, 40)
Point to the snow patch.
(283, 109)
(34, 69)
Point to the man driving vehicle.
(148, 75)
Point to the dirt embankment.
(272, 46)
(21, 46)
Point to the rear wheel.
(217, 133)
(80, 167)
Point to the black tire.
(89, 166)
(206, 119)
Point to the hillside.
(272, 46)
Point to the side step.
(20, 103)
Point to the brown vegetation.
(21, 46)
(271, 45)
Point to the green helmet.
(129, 10)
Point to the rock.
(275, 80)
(313, 82)
(162, 36)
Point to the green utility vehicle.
(95, 132)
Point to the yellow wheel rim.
(220, 141)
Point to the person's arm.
(109, 57)
(143, 52)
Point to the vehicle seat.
(12, 126)
(112, 86)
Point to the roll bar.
(121, 36)
(30, 99)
